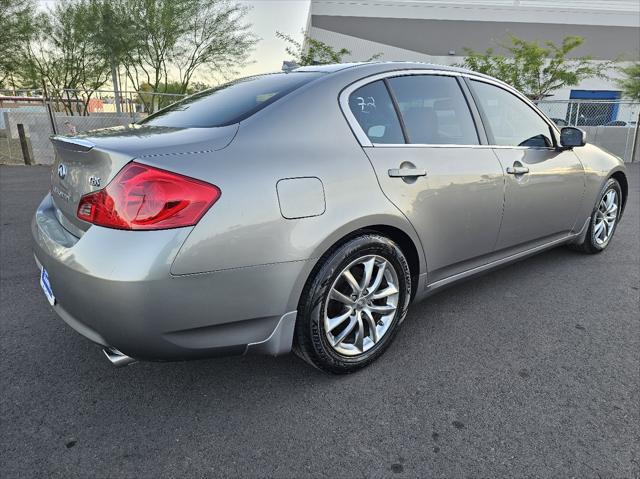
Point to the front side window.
(373, 108)
(511, 122)
(434, 110)
(229, 103)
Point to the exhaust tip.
(117, 358)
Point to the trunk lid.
(88, 162)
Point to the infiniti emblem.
(62, 171)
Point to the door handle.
(406, 172)
(517, 170)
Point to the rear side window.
(511, 122)
(230, 103)
(434, 110)
(374, 110)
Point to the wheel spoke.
(379, 276)
(388, 291)
(603, 207)
(373, 330)
(359, 341)
(605, 231)
(338, 296)
(368, 272)
(598, 229)
(346, 332)
(333, 323)
(609, 224)
(384, 309)
(352, 281)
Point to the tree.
(17, 28)
(315, 52)
(112, 37)
(630, 84)
(184, 36)
(172, 92)
(536, 70)
(215, 38)
(64, 56)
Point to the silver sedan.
(306, 210)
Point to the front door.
(427, 165)
(544, 185)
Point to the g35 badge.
(94, 181)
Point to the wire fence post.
(635, 147)
(52, 119)
(23, 144)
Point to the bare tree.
(215, 38)
(185, 36)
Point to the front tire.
(604, 219)
(352, 305)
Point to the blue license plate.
(46, 286)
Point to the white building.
(438, 31)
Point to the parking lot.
(529, 371)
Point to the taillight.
(142, 197)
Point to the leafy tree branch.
(315, 52)
(536, 69)
(630, 83)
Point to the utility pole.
(116, 86)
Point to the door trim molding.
(431, 287)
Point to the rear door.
(544, 185)
(429, 164)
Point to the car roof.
(379, 66)
(364, 69)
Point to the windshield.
(229, 103)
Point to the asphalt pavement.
(529, 371)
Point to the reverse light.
(142, 197)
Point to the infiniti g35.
(306, 210)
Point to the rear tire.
(604, 219)
(352, 305)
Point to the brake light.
(142, 197)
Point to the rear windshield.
(229, 103)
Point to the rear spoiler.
(70, 143)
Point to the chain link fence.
(29, 118)
(610, 124)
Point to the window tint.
(434, 110)
(511, 121)
(231, 102)
(373, 108)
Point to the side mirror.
(571, 137)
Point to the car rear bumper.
(115, 288)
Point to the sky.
(266, 16)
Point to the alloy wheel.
(361, 305)
(606, 217)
